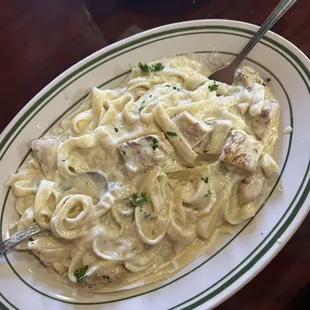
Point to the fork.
(225, 74)
(17, 238)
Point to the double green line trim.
(125, 48)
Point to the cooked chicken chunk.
(106, 273)
(250, 188)
(193, 129)
(243, 107)
(257, 100)
(269, 166)
(247, 77)
(262, 123)
(45, 152)
(242, 150)
(214, 142)
(143, 152)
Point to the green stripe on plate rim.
(71, 107)
(3, 307)
(182, 29)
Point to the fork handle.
(17, 238)
(275, 15)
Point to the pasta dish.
(140, 179)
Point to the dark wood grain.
(41, 38)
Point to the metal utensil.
(226, 74)
(97, 177)
(17, 238)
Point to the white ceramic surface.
(233, 260)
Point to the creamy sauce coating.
(140, 179)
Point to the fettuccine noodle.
(140, 179)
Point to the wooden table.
(41, 38)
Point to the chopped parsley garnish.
(155, 144)
(268, 80)
(158, 67)
(213, 87)
(171, 133)
(142, 106)
(176, 88)
(206, 179)
(144, 67)
(151, 68)
(137, 200)
(80, 273)
(116, 129)
(208, 193)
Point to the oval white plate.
(233, 260)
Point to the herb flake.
(80, 273)
(208, 193)
(157, 67)
(144, 67)
(171, 133)
(142, 106)
(176, 88)
(116, 129)
(151, 68)
(205, 179)
(137, 200)
(154, 144)
(213, 87)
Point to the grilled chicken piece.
(193, 129)
(269, 166)
(215, 141)
(45, 152)
(257, 100)
(242, 150)
(243, 107)
(247, 77)
(250, 188)
(262, 123)
(108, 273)
(144, 152)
